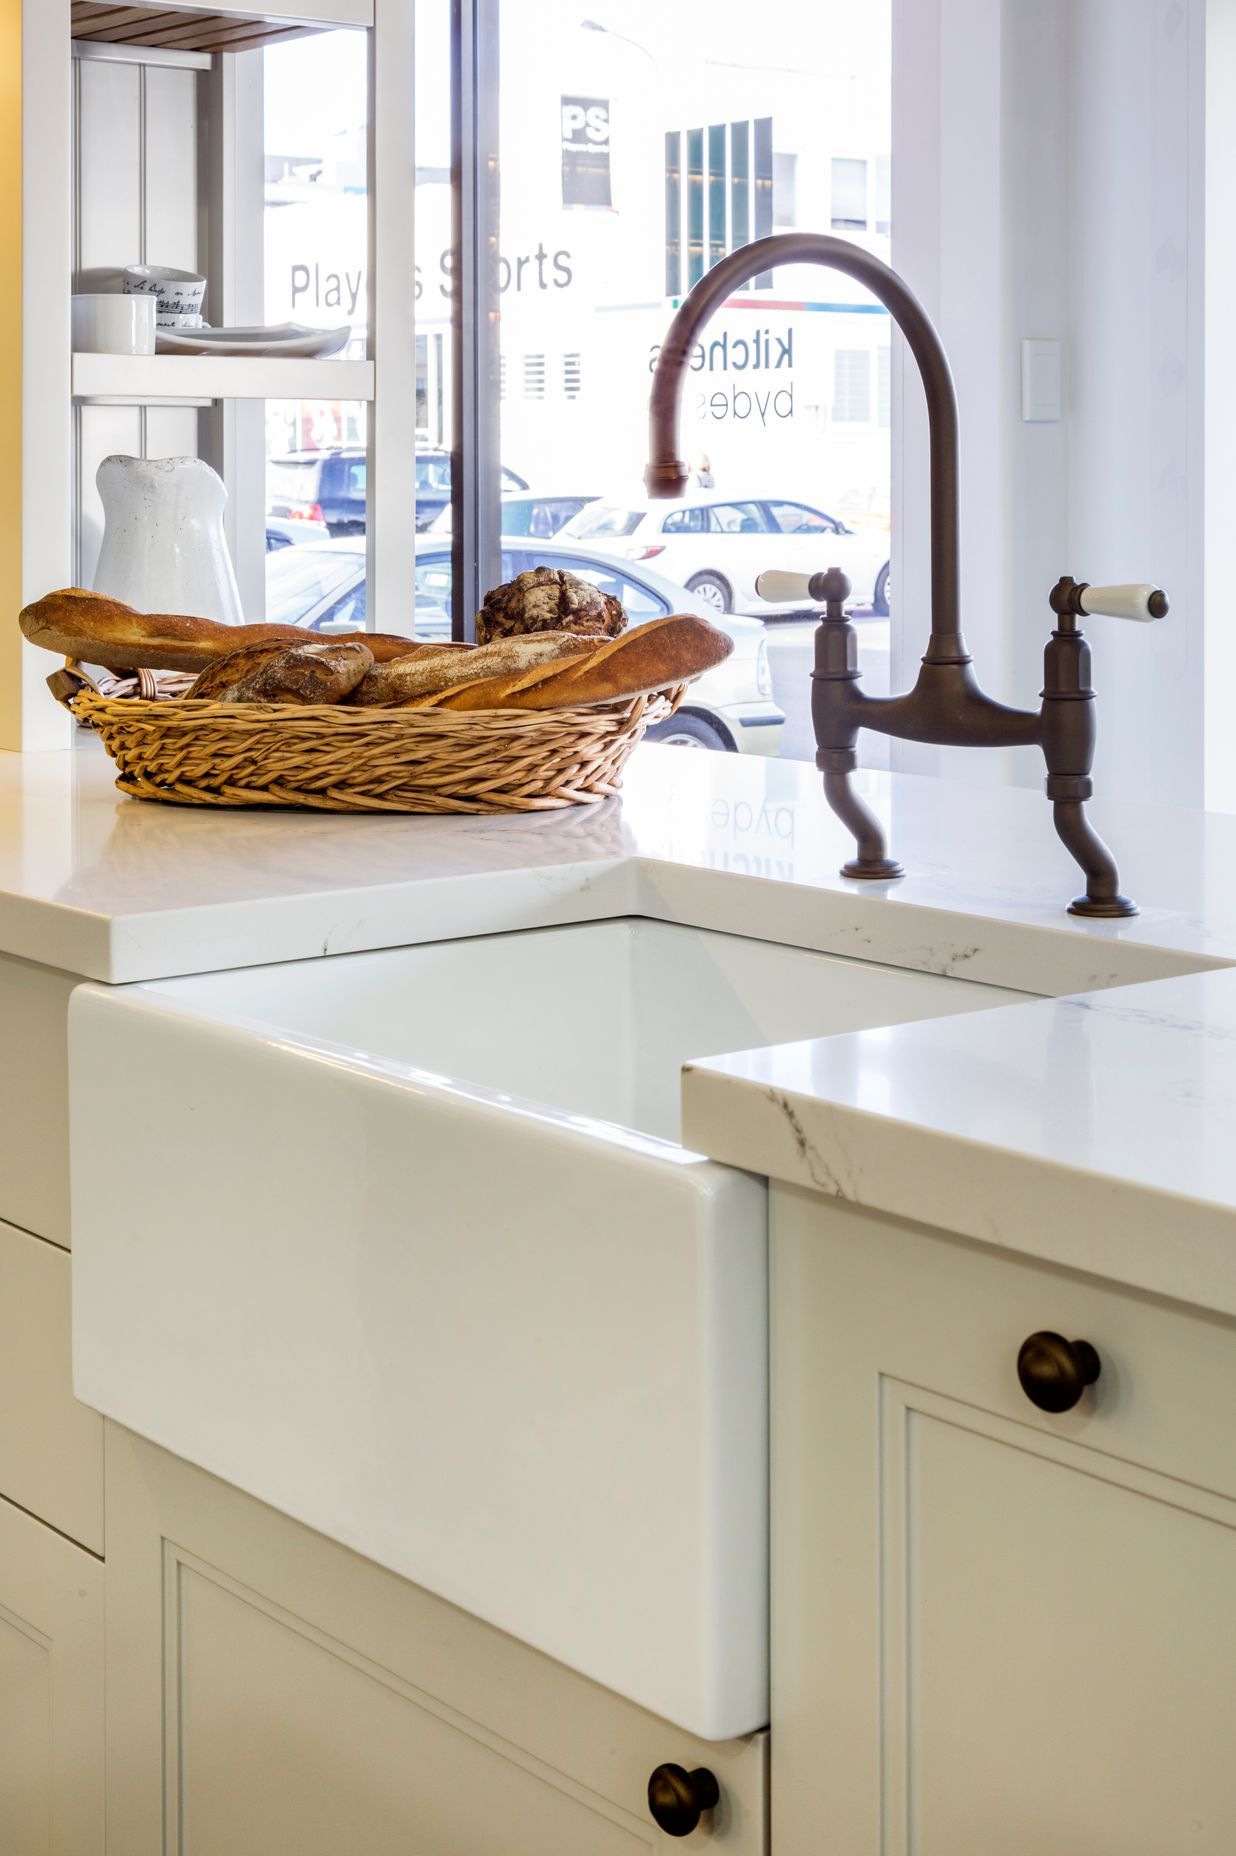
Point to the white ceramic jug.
(164, 549)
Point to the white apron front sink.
(404, 1244)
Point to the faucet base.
(1104, 907)
(878, 870)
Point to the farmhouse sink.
(404, 1244)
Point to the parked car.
(329, 486)
(526, 512)
(718, 546)
(282, 532)
(731, 707)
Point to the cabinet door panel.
(1094, 1681)
(272, 1694)
(51, 1692)
(993, 1628)
(290, 1745)
(25, 1743)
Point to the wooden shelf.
(216, 29)
(133, 379)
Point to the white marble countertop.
(1098, 1132)
(118, 890)
(1095, 1131)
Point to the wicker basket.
(369, 760)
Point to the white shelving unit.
(193, 379)
(173, 101)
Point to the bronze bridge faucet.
(946, 705)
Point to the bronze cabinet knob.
(1054, 1372)
(677, 1799)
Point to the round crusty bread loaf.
(547, 599)
(390, 686)
(92, 627)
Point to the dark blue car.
(329, 486)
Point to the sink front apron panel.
(403, 1245)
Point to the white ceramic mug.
(177, 293)
(110, 324)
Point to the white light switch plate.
(1040, 381)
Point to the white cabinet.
(34, 1097)
(51, 1447)
(994, 1628)
(272, 1694)
(51, 1692)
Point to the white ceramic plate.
(286, 338)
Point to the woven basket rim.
(143, 709)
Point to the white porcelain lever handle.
(778, 587)
(1139, 601)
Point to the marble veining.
(1094, 1132)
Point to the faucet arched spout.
(946, 704)
(666, 474)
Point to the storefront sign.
(585, 152)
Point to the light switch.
(1040, 381)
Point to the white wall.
(1220, 437)
(1048, 182)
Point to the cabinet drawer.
(34, 1098)
(950, 1317)
(51, 1448)
(272, 1694)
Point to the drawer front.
(949, 1318)
(51, 1448)
(34, 1098)
(272, 1694)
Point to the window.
(433, 471)
(348, 612)
(704, 131)
(797, 519)
(849, 194)
(736, 519)
(884, 386)
(785, 190)
(302, 582)
(852, 386)
(883, 195)
(534, 376)
(608, 520)
(727, 199)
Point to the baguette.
(100, 630)
(653, 657)
(412, 679)
(300, 673)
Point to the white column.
(1220, 433)
(391, 487)
(43, 440)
